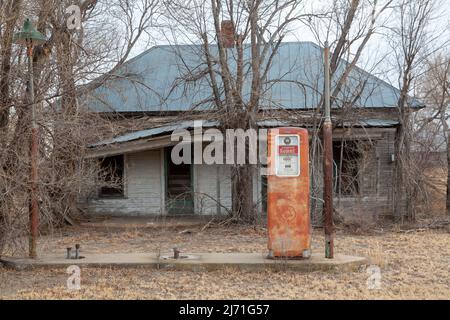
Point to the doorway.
(179, 191)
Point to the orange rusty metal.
(289, 225)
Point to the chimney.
(227, 31)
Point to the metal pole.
(34, 207)
(328, 162)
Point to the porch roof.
(160, 136)
(152, 132)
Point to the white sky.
(377, 56)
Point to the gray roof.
(151, 82)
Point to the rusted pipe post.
(176, 253)
(69, 253)
(77, 251)
(328, 162)
(34, 206)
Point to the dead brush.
(377, 255)
(357, 224)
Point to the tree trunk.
(6, 51)
(242, 195)
(11, 13)
(448, 174)
(407, 172)
(403, 187)
(398, 176)
(66, 156)
(243, 209)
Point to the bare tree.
(412, 42)
(348, 27)
(8, 20)
(238, 40)
(70, 58)
(434, 90)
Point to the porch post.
(163, 181)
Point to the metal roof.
(357, 123)
(152, 82)
(168, 129)
(376, 123)
(148, 133)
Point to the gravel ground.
(413, 265)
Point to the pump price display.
(288, 155)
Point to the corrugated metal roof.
(151, 82)
(168, 129)
(148, 133)
(377, 123)
(358, 123)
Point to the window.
(347, 157)
(111, 176)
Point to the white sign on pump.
(287, 155)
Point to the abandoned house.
(150, 85)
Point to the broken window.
(111, 176)
(347, 156)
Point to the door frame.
(166, 153)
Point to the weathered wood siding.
(212, 185)
(375, 179)
(208, 180)
(144, 184)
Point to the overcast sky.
(378, 55)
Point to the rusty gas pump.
(289, 225)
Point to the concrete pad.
(192, 262)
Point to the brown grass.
(414, 265)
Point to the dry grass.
(414, 265)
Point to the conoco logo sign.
(288, 150)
